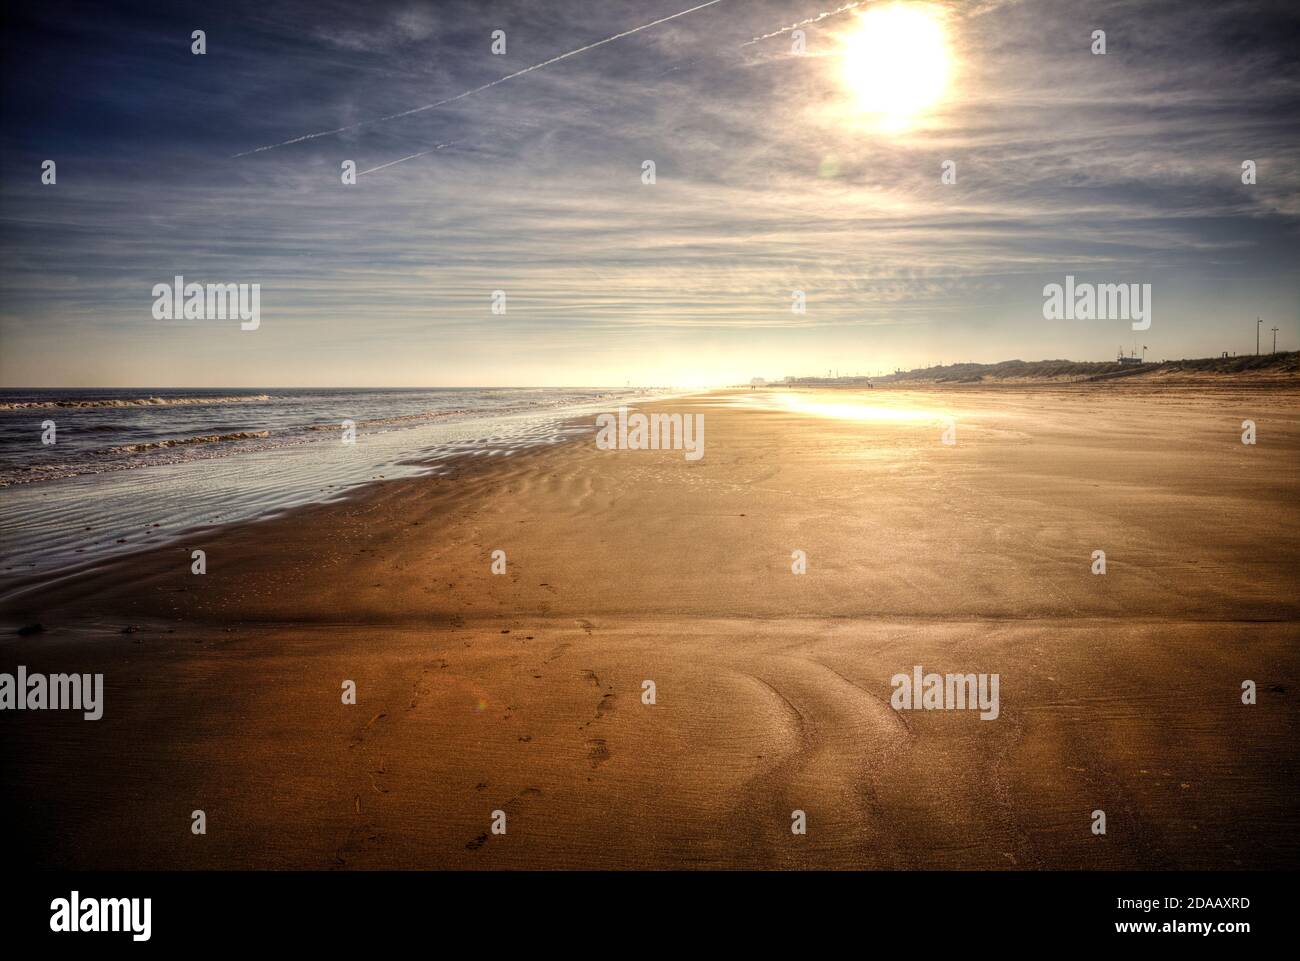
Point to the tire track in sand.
(843, 737)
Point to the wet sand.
(522, 692)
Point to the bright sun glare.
(896, 62)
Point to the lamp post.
(1275, 340)
(1258, 325)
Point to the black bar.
(964, 912)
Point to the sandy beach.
(522, 692)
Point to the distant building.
(758, 382)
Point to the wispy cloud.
(486, 86)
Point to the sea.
(87, 474)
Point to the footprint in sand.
(418, 691)
(591, 676)
(360, 736)
(603, 707)
(527, 792)
(597, 751)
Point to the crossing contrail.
(390, 163)
(470, 93)
(803, 23)
(988, 6)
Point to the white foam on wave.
(79, 403)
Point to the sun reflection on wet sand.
(844, 410)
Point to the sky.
(771, 176)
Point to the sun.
(896, 62)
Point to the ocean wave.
(202, 439)
(294, 420)
(135, 402)
(504, 410)
(417, 418)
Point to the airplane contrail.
(390, 163)
(802, 23)
(468, 93)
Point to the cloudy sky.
(773, 174)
